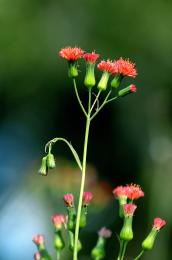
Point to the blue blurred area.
(130, 141)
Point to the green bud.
(58, 241)
(102, 85)
(148, 243)
(98, 252)
(128, 90)
(43, 169)
(89, 80)
(71, 243)
(126, 233)
(72, 71)
(83, 218)
(116, 81)
(71, 219)
(51, 161)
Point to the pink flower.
(134, 192)
(129, 209)
(58, 220)
(120, 191)
(68, 199)
(125, 68)
(158, 223)
(107, 66)
(104, 232)
(38, 239)
(87, 197)
(37, 256)
(133, 88)
(91, 57)
(71, 54)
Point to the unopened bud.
(126, 233)
(102, 85)
(43, 169)
(51, 161)
(58, 241)
(72, 71)
(116, 81)
(128, 90)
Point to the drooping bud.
(51, 161)
(128, 90)
(98, 252)
(126, 233)
(149, 241)
(90, 59)
(43, 169)
(108, 68)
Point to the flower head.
(37, 256)
(58, 220)
(91, 57)
(158, 223)
(104, 232)
(120, 191)
(68, 199)
(129, 209)
(134, 192)
(87, 197)
(125, 67)
(107, 66)
(71, 54)
(38, 239)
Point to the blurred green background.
(130, 141)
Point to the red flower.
(38, 239)
(37, 256)
(91, 57)
(134, 192)
(68, 199)
(158, 223)
(87, 197)
(125, 68)
(133, 88)
(129, 209)
(104, 232)
(120, 191)
(107, 66)
(58, 220)
(71, 54)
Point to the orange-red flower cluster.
(87, 197)
(71, 54)
(125, 68)
(158, 223)
(107, 66)
(132, 191)
(91, 57)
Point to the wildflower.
(72, 55)
(120, 193)
(87, 197)
(126, 233)
(149, 241)
(37, 256)
(58, 220)
(125, 68)
(134, 192)
(68, 199)
(90, 59)
(108, 68)
(38, 239)
(128, 90)
(98, 252)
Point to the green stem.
(120, 249)
(141, 253)
(102, 105)
(124, 249)
(79, 100)
(57, 255)
(95, 101)
(82, 179)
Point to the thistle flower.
(38, 239)
(129, 210)
(104, 232)
(149, 241)
(87, 197)
(134, 192)
(68, 199)
(125, 67)
(58, 220)
(71, 55)
(108, 68)
(90, 59)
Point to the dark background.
(130, 140)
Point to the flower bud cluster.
(48, 162)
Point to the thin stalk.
(78, 97)
(120, 249)
(123, 250)
(82, 179)
(141, 253)
(95, 101)
(57, 255)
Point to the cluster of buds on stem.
(48, 162)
